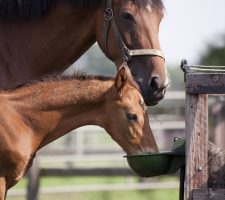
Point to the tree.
(215, 55)
(94, 62)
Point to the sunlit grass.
(124, 195)
(170, 194)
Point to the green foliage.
(93, 62)
(215, 55)
(97, 63)
(177, 78)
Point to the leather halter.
(127, 54)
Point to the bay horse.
(39, 37)
(36, 114)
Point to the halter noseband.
(126, 52)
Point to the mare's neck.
(54, 108)
(32, 48)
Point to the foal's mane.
(31, 9)
(78, 75)
(51, 78)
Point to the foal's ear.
(121, 79)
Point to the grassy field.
(125, 195)
(171, 194)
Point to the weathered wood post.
(196, 142)
(33, 181)
(200, 81)
(218, 112)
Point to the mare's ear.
(121, 78)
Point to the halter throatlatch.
(127, 54)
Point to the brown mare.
(39, 113)
(41, 36)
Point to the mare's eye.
(132, 117)
(127, 16)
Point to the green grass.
(54, 181)
(68, 181)
(123, 195)
(119, 195)
(171, 194)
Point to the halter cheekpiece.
(127, 54)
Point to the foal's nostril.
(155, 83)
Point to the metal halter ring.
(108, 14)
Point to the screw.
(200, 168)
(215, 78)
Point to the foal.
(32, 116)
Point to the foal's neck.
(53, 108)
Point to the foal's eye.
(132, 117)
(127, 16)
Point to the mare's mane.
(31, 9)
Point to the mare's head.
(126, 116)
(134, 25)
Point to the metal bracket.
(185, 68)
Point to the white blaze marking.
(149, 7)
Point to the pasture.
(84, 183)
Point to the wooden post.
(218, 111)
(216, 166)
(196, 142)
(199, 82)
(33, 181)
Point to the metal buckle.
(108, 14)
(126, 54)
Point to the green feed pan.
(155, 164)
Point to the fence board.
(205, 83)
(87, 172)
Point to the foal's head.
(127, 118)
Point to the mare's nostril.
(155, 83)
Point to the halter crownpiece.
(127, 54)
